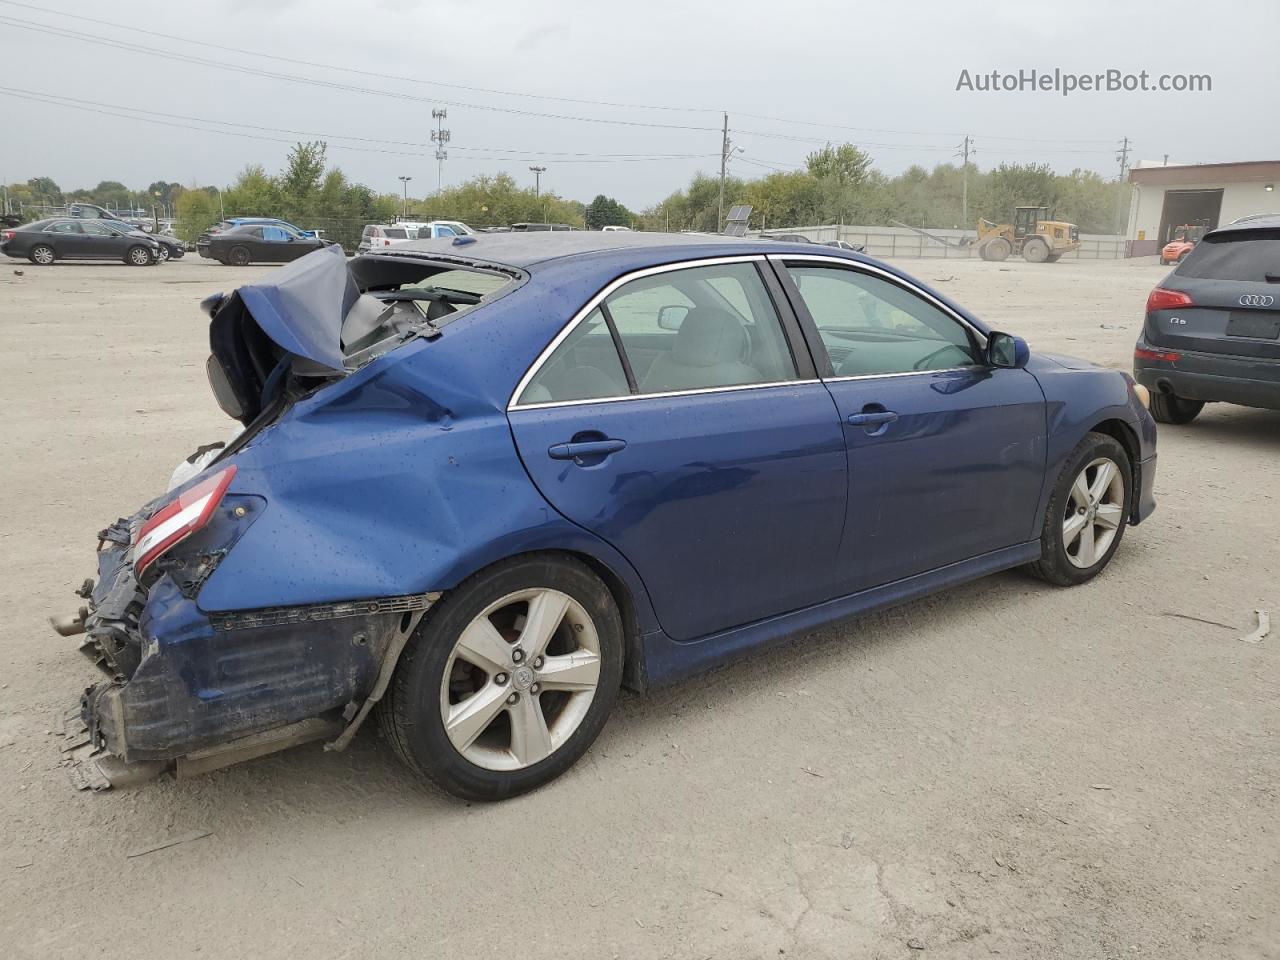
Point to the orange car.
(1184, 239)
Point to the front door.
(713, 462)
(103, 243)
(946, 454)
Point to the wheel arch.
(1124, 434)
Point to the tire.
(163, 256)
(138, 256)
(1170, 408)
(1035, 251)
(239, 256)
(1053, 258)
(998, 249)
(437, 673)
(1098, 510)
(42, 255)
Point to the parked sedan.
(64, 238)
(483, 482)
(167, 247)
(260, 243)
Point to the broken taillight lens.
(179, 518)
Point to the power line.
(330, 84)
(111, 111)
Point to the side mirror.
(670, 317)
(1006, 350)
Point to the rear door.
(946, 454)
(1233, 279)
(67, 239)
(717, 468)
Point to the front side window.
(872, 327)
(693, 329)
(275, 234)
(95, 229)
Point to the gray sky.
(888, 69)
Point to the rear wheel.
(997, 249)
(1170, 408)
(1087, 512)
(508, 680)
(138, 256)
(1035, 250)
(239, 256)
(42, 254)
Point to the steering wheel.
(922, 363)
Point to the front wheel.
(163, 255)
(1170, 408)
(508, 679)
(138, 256)
(1087, 513)
(1035, 251)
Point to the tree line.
(837, 184)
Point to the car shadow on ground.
(1239, 426)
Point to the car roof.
(522, 249)
(1260, 221)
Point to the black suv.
(1213, 325)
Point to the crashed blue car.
(478, 485)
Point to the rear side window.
(1252, 255)
(699, 328)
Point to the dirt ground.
(1006, 768)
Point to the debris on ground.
(1187, 616)
(914, 944)
(1101, 786)
(945, 279)
(1264, 627)
(166, 844)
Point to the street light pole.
(404, 210)
(537, 180)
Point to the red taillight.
(1162, 299)
(1163, 355)
(6, 235)
(180, 518)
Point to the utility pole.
(1123, 156)
(404, 210)
(964, 150)
(724, 163)
(537, 180)
(440, 136)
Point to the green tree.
(845, 164)
(605, 211)
(302, 175)
(46, 189)
(197, 210)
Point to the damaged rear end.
(191, 685)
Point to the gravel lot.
(1006, 768)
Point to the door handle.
(872, 418)
(583, 449)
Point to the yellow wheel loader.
(1036, 238)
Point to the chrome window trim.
(663, 396)
(599, 298)
(904, 373)
(859, 267)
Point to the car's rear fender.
(391, 482)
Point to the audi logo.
(1257, 300)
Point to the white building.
(1167, 196)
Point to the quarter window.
(871, 326)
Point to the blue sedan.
(480, 484)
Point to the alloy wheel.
(164, 254)
(139, 256)
(42, 256)
(520, 679)
(1095, 512)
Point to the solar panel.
(735, 230)
(739, 212)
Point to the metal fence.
(888, 242)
